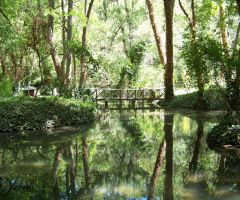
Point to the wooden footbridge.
(105, 94)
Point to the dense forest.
(70, 45)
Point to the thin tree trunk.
(57, 63)
(123, 31)
(223, 29)
(18, 69)
(72, 168)
(56, 163)
(69, 39)
(130, 165)
(158, 164)
(63, 63)
(5, 16)
(129, 23)
(221, 168)
(4, 69)
(155, 31)
(83, 75)
(236, 39)
(75, 71)
(194, 162)
(198, 71)
(85, 160)
(168, 79)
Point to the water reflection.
(133, 154)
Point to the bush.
(6, 88)
(226, 132)
(26, 113)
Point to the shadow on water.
(128, 154)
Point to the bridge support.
(106, 103)
(133, 103)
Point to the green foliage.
(137, 51)
(92, 64)
(227, 132)
(213, 98)
(135, 55)
(194, 57)
(45, 89)
(26, 113)
(6, 88)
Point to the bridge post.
(143, 98)
(96, 98)
(133, 103)
(151, 95)
(120, 95)
(106, 103)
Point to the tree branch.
(185, 13)
(193, 14)
(5, 16)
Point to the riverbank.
(212, 98)
(227, 132)
(27, 113)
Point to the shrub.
(26, 113)
(6, 88)
(227, 132)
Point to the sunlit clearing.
(35, 164)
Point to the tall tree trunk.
(123, 30)
(194, 162)
(75, 71)
(71, 166)
(236, 39)
(198, 71)
(4, 69)
(57, 63)
(158, 164)
(168, 79)
(85, 160)
(129, 23)
(155, 31)
(18, 69)
(69, 39)
(84, 42)
(221, 168)
(168, 181)
(238, 5)
(56, 163)
(63, 63)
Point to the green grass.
(212, 100)
(26, 113)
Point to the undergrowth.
(26, 113)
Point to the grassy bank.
(227, 132)
(26, 113)
(212, 98)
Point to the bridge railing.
(125, 94)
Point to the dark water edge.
(116, 158)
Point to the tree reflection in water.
(115, 158)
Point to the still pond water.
(116, 157)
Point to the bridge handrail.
(125, 94)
